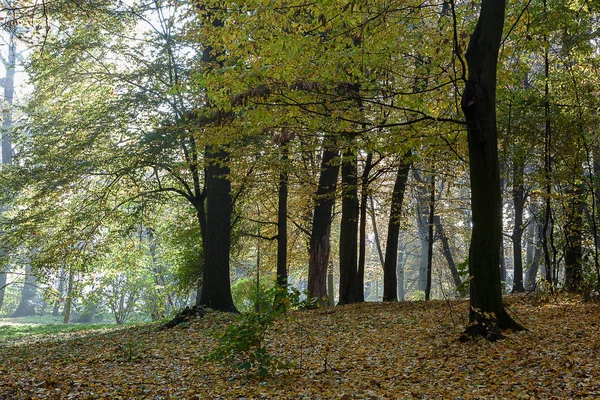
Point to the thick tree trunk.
(362, 234)
(349, 230)
(390, 278)
(216, 287)
(487, 314)
(60, 290)
(447, 253)
(321, 228)
(519, 202)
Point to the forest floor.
(373, 350)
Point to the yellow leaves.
(401, 350)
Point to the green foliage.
(465, 278)
(244, 344)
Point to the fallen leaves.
(394, 350)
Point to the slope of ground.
(399, 350)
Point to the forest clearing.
(372, 350)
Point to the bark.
(487, 315)
(390, 277)
(282, 275)
(519, 203)
(446, 252)
(349, 230)
(430, 237)
(321, 228)
(362, 234)
(216, 287)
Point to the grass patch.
(14, 329)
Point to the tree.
(487, 315)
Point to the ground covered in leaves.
(398, 350)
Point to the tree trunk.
(390, 278)
(282, 220)
(60, 290)
(216, 287)
(422, 213)
(519, 202)
(68, 299)
(26, 307)
(349, 230)
(430, 237)
(9, 91)
(362, 234)
(487, 314)
(321, 228)
(447, 253)
(400, 268)
(376, 231)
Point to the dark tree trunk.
(390, 278)
(447, 253)
(362, 234)
(321, 228)
(216, 287)
(349, 230)
(573, 237)
(487, 314)
(282, 274)
(430, 237)
(519, 202)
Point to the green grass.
(13, 329)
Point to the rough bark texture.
(319, 239)
(390, 278)
(519, 203)
(216, 287)
(349, 231)
(487, 314)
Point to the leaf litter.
(359, 351)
